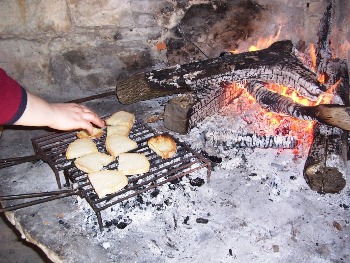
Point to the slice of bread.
(163, 145)
(80, 147)
(121, 118)
(118, 130)
(133, 163)
(107, 182)
(96, 133)
(117, 144)
(93, 162)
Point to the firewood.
(330, 114)
(274, 64)
(186, 111)
(228, 140)
(136, 88)
(325, 166)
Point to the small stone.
(276, 248)
(337, 226)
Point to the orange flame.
(263, 42)
(266, 42)
(312, 51)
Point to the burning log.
(330, 114)
(230, 140)
(325, 167)
(186, 111)
(274, 64)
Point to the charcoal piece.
(139, 199)
(155, 192)
(202, 220)
(197, 182)
(122, 225)
(186, 220)
(212, 158)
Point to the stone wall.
(67, 49)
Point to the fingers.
(92, 117)
(75, 116)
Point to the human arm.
(60, 116)
(19, 107)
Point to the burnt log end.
(324, 179)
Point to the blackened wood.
(136, 88)
(330, 114)
(323, 49)
(325, 167)
(210, 100)
(177, 113)
(275, 64)
(230, 140)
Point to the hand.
(71, 116)
(61, 116)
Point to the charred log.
(330, 114)
(325, 167)
(229, 140)
(274, 64)
(136, 88)
(186, 111)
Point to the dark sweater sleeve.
(13, 99)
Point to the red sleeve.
(13, 99)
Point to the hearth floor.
(13, 249)
(256, 208)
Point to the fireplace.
(76, 48)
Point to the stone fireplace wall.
(67, 49)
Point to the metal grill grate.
(161, 171)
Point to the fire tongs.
(47, 196)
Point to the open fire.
(308, 93)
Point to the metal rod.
(32, 195)
(93, 97)
(14, 161)
(35, 202)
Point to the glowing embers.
(264, 123)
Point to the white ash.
(257, 207)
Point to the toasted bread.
(116, 144)
(163, 145)
(118, 130)
(96, 133)
(133, 163)
(80, 147)
(121, 118)
(93, 162)
(107, 182)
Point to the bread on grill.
(123, 130)
(107, 182)
(93, 162)
(133, 163)
(80, 147)
(121, 118)
(96, 133)
(163, 145)
(117, 144)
